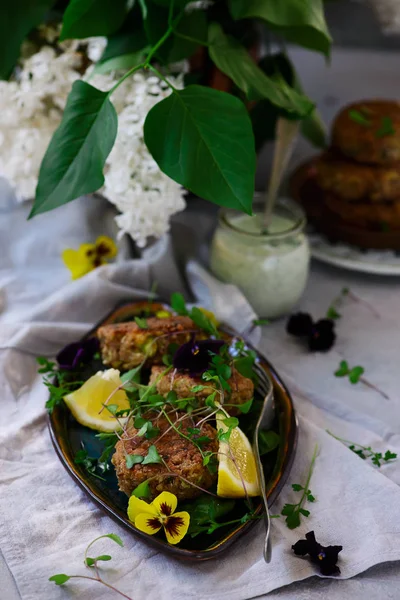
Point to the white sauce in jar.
(270, 269)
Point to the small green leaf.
(355, 374)
(104, 557)
(59, 579)
(231, 422)
(133, 459)
(115, 538)
(245, 366)
(123, 62)
(288, 509)
(234, 60)
(268, 441)
(297, 487)
(310, 497)
(293, 520)
(112, 408)
(203, 139)
(89, 561)
(332, 313)
(73, 163)
(142, 323)
(343, 369)
(260, 322)
(202, 321)
(178, 304)
(389, 455)
(152, 457)
(245, 407)
(304, 512)
(132, 375)
(358, 117)
(142, 490)
(386, 128)
(86, 18)
(197, 388)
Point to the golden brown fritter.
(377, 217)
(242, 388)
(126, 345)
(370, 141)
(353, 181)
(181, 457)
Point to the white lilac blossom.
(31, 107)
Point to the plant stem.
(111, 587)
(374, 387)
(310, 472)
(161, 76)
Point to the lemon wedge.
(87, 402)
(230, 483)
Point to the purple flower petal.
(195, 356)
(73, 355)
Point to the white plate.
(377, 262)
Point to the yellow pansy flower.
(150, 518)
(89, 256)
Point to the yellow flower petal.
(176, 527)
(210, 315)
(163, 314)
(147, 523)
(136, 507)
(165, 503)
(106, 247)
(78, 263)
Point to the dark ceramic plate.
(68, 436)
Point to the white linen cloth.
(46, 521)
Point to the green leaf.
(332, 313)
(386, 128)
(261, 322)
(143, 8)
(142, 490)
(124, 62)
(293, 520)
(358, 117)
(297, 487)
(104, 557)
(288, 509)
(132, 375)
(142, 323)
(178, 304)
(304, 512)
(234, 60)
(133, 459)
(152, 457)
(310, 497)
(301, 22)
(73, 163)
(268, 441)
(112, 408)
(59, 579)
(202, 321)
(86, 18)
(202, 138)
(355, 374)
(343, 369)
(130, 39)
(245, 407)
(245, 366)
(389, 455)
(89, 561)
(231, 422)
(17, 19)
(115, 538)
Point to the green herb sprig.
(92, 564)
(293, 512)
(178, 304)
(366, 452)
(59, 382)
(355, 375)
(386, 128)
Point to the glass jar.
(270, 267)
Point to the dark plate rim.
(182, 553)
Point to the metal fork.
(265, 421)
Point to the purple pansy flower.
(195, 356)
(73, 355)
(325, 557)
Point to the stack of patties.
(360, 174)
